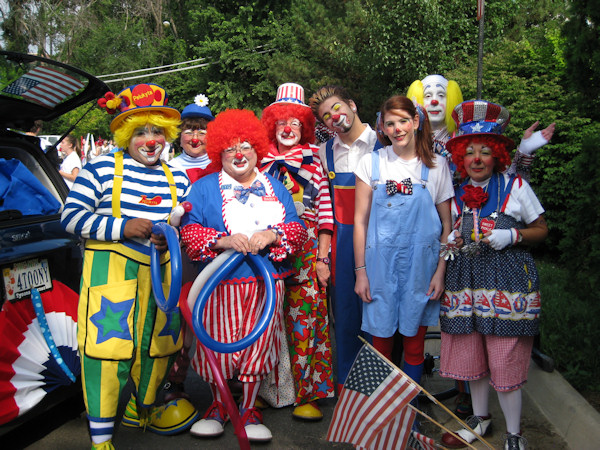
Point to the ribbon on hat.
(405, 187)
(242, 193)
(292, 161)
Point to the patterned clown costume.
(305, 305)
(121, 332)
(233, 308)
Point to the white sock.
(510, 402)
(479, 396)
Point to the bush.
(569, 332)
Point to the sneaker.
(309, 411)
(481, 425)
(213, 422)
(514, 442)
(255, 430)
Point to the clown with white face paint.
(113, 205)
(245, 210)
(293, 160)
(440, 96)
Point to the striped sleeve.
(323, 201)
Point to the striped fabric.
(145, 194)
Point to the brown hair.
(74, 142)
(323, 94)
(424, 142)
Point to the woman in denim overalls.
(402, 211)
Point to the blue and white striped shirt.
(145, 194)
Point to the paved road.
(289, 433)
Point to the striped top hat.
(480, 118)
(290, 93)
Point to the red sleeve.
(198, 241)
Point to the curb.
(572, 416)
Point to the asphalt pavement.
(554, 416)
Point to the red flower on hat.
(112, 103)
(474, 196)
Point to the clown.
(292, 159)
(113, 204)
(242, 209)
(195, 117)
(497, 215)
(440, 96)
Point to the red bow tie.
(404, 187)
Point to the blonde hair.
(126, 129)
(453, 97)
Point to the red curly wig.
(499, 152)
(234, 126)
(284, 111)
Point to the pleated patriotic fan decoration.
(38, 348)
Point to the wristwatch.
(324, 260)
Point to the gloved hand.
(452, 237)
(532, 141)
(498, 239)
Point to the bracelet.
(356, 269)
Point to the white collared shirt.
(346, 157)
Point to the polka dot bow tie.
(242, 193)
(404, 187)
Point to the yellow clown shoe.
(106, 445)
(173, 417)
(308, 411)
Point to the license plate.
(21, 277)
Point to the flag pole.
(429, 396)
(431, 419)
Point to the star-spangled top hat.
(135, 99)
(290, 93)
(480, 118)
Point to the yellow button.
(331, 175)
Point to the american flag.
(44, 86)
(418, 441)
(371, 411)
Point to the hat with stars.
(480, 118)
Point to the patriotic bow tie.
(242, 193)
(404, 187)
(292, 161)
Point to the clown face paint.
(337, 115)
(288, 133)
(479, 162)
(146, 144)
(399, 126)
(434, 100)
(239, 162)
(193, 142)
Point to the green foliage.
(580, 248)
(569, 333)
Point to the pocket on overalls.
(166, 335)
(109, 327)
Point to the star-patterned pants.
(121, 332)
(307, 326)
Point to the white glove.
(452, 237)
(178, 212)
(498, 239)
(532, 143)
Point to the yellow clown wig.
(124, 132)
(453, 96)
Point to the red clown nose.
(195, 141)
(150, 143)
(434, 102)
(239, 155)
(335, 117)
(287, 129)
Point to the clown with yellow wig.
(113, 204)
(440, 96)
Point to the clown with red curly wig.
(293, 159)
(242, 209)
(491, 306)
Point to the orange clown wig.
(284, 111)
(231, 127)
